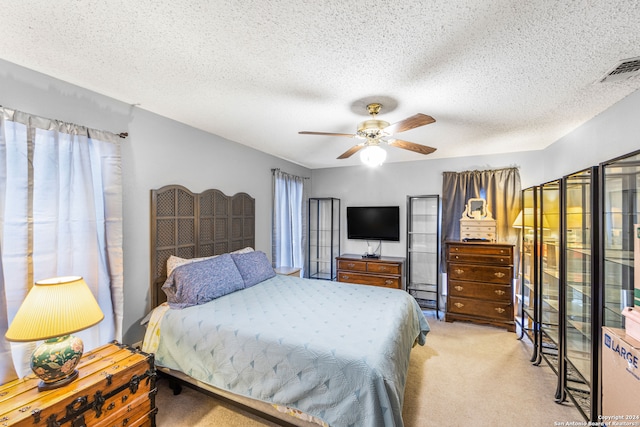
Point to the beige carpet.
(466, 374)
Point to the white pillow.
(175, 261)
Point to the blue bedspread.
(337, 351)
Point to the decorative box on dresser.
(115, 387)
(480, 283)
(384, 271)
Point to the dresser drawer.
(480, 308)
(480, 258)
(480, 273)
(466, 248)
(366, 279)
(487, 235)
(379, 267)
(478, 228)
(479, 290)
(352, 265)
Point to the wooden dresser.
(384, 271)
(480, 283)
(115, 387)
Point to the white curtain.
(60, 215)
(288, 230)
(7, 371)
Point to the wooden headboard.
(192, 225)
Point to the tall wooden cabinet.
(479, 283)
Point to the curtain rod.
(274, 170)
(121, 134)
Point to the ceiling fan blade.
(351, 151)
(409, 123)
(348, 135)
(411, 146)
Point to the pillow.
(200, 282)
(254, 267)
(243, 250)
(175, 261)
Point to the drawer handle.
(458, 288)
(499, 310)
(383, 268)
(458, 271)
(345, 277)
(351, 265)
(499, 274)
(500, 292)
(457, 257)
(501, 259)
(458, 304)
(389, 282)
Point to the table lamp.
(53, 310)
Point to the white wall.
(612, 133)
(157, 152)
(160, 151)
(393, 182)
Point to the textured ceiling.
(498, 76)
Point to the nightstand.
(288, 271)
(115, 386)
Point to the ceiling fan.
(375, 131)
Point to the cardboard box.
(632, 322)
(620, 377)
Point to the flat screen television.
(373, 222)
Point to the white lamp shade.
(373, 155)
(55, 307)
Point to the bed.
(308, 352)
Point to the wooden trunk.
(115, 387)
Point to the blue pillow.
(254, 267)
(202, 281)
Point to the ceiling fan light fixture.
(373, 155)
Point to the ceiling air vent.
(625, 69)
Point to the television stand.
(382, 271)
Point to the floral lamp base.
(55, 361)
